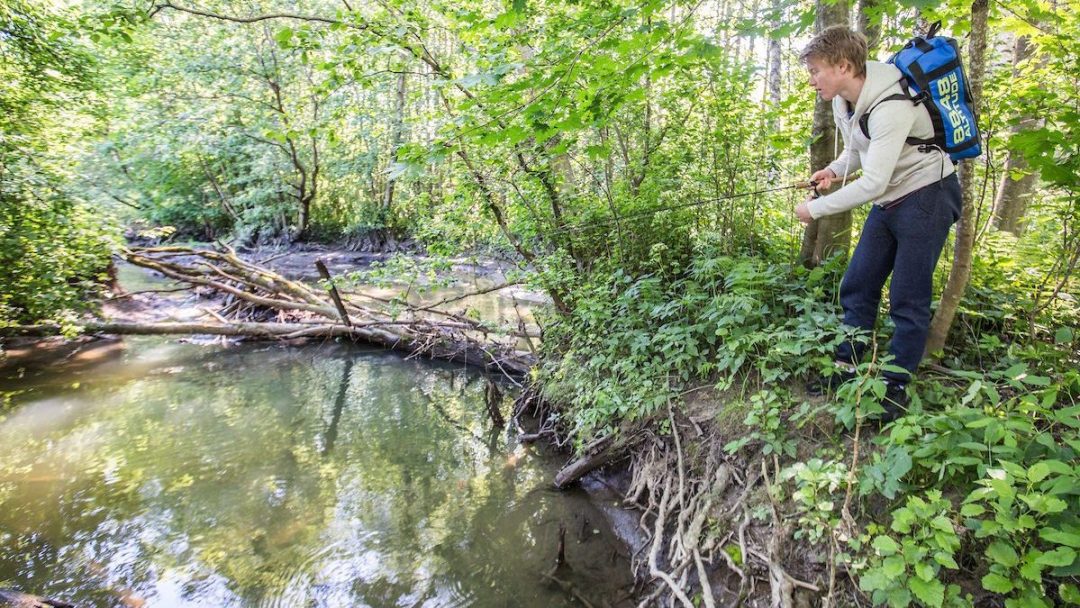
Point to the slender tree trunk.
(1013, 195)
(831, 234)
(395, 144)
(217, 188)
(965, 229)
(773, 78)
(869, 24)
(305, 185)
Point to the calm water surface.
(181, 474)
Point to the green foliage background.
(54, 247)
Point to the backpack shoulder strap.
(864, 120)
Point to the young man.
(916, 198)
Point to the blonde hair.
(836, 44)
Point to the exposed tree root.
(702, 538)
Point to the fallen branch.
(17, 599)
(374, 332)
(256, 294)
(596, 455)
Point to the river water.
(157, 472)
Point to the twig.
(167, 4)
(468, 295)
(217, 316)
(135, 293)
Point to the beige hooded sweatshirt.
(891, 168)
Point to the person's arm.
(888, 131)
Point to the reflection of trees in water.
(265, 467)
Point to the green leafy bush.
(52, 259)
(632, 344)
(907, 566)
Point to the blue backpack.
(932, 69)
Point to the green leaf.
(945, 560)
(893, 566)
(873, 580)
(1060, 537)
(996, 583)
(1002, 553)
(1038, 471)
(1062, 556)
(1064, 335)
(924, 571)
(1044, 504)
(898, 597)
(598, 151)
(932, 592)
(1069, 593)
(1028, 600)
(1036, 380)
(885, 545)
(903, 518)
(283, 36)
(1031, 570)
(972, 510)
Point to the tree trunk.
(303, 219)
(825, 236)
(773, 78)
(1013, 195)
(869, 24)
(395, 144)
(965, 229)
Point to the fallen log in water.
(254, 295)
(422, 340)
(10, 598)
(595, 455)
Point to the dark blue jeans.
(905, 240)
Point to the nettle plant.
(817, 483)
(1007, 442)
(765, 423)
(907, 566)
(1024, 514)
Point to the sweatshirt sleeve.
(889, 129)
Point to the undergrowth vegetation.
(975, 491)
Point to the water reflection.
(183, 475)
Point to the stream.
(163, 472)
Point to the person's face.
(827, 79)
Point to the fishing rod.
(804, 185)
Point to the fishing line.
(586, 225)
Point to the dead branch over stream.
(260, 303)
